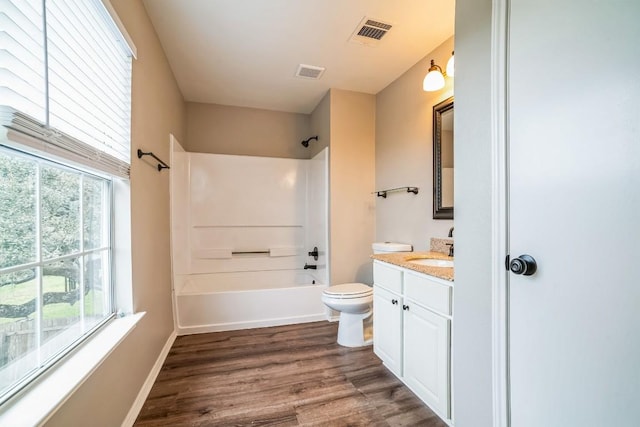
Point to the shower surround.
(242, 229)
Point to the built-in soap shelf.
(229, 253)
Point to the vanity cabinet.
(412, 331)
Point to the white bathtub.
(249, 299)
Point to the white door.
(574, 206)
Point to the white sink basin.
(443, 263)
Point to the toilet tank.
(387, 247)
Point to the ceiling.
(246, 52)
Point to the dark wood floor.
(293, 375)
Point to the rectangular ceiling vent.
(309, 71)
(370, 31)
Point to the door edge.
(499, 215)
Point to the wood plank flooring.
(294, 375)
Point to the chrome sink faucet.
(450, 249)
(451, 232)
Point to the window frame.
(49, 362)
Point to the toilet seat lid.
(351, 290)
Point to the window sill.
(38, 401)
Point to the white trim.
(327, 213)
(173, 143)
(151, 379)
(116, 20)
(35, 264)
(499, 215)
(39, 401)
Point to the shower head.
(305, 143)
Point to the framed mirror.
(443, 160)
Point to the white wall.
(472, 357)
(404, 154)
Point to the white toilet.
(354, 301)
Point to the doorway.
(572, 149)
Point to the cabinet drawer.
(428, 293)
(387, 277)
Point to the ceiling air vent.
(309, 71)
(370, 31)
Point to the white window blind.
(22, 81)
(84, 67)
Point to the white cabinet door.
(426, 356)
(387, 328)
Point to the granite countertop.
(401, 259)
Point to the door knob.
(524, 264)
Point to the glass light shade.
(434, 80)
(450, 66)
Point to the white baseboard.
(146, 387)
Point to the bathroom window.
(55, 284)
(65, 119)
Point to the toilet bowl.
(354, 301)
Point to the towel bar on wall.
(227, 253)
(383, 193)
(161, 164)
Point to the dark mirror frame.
(439, 212)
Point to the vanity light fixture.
(434, 80)
(450, 66)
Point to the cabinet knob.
(405, 307)
(394, 301)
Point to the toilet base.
(355, 330)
